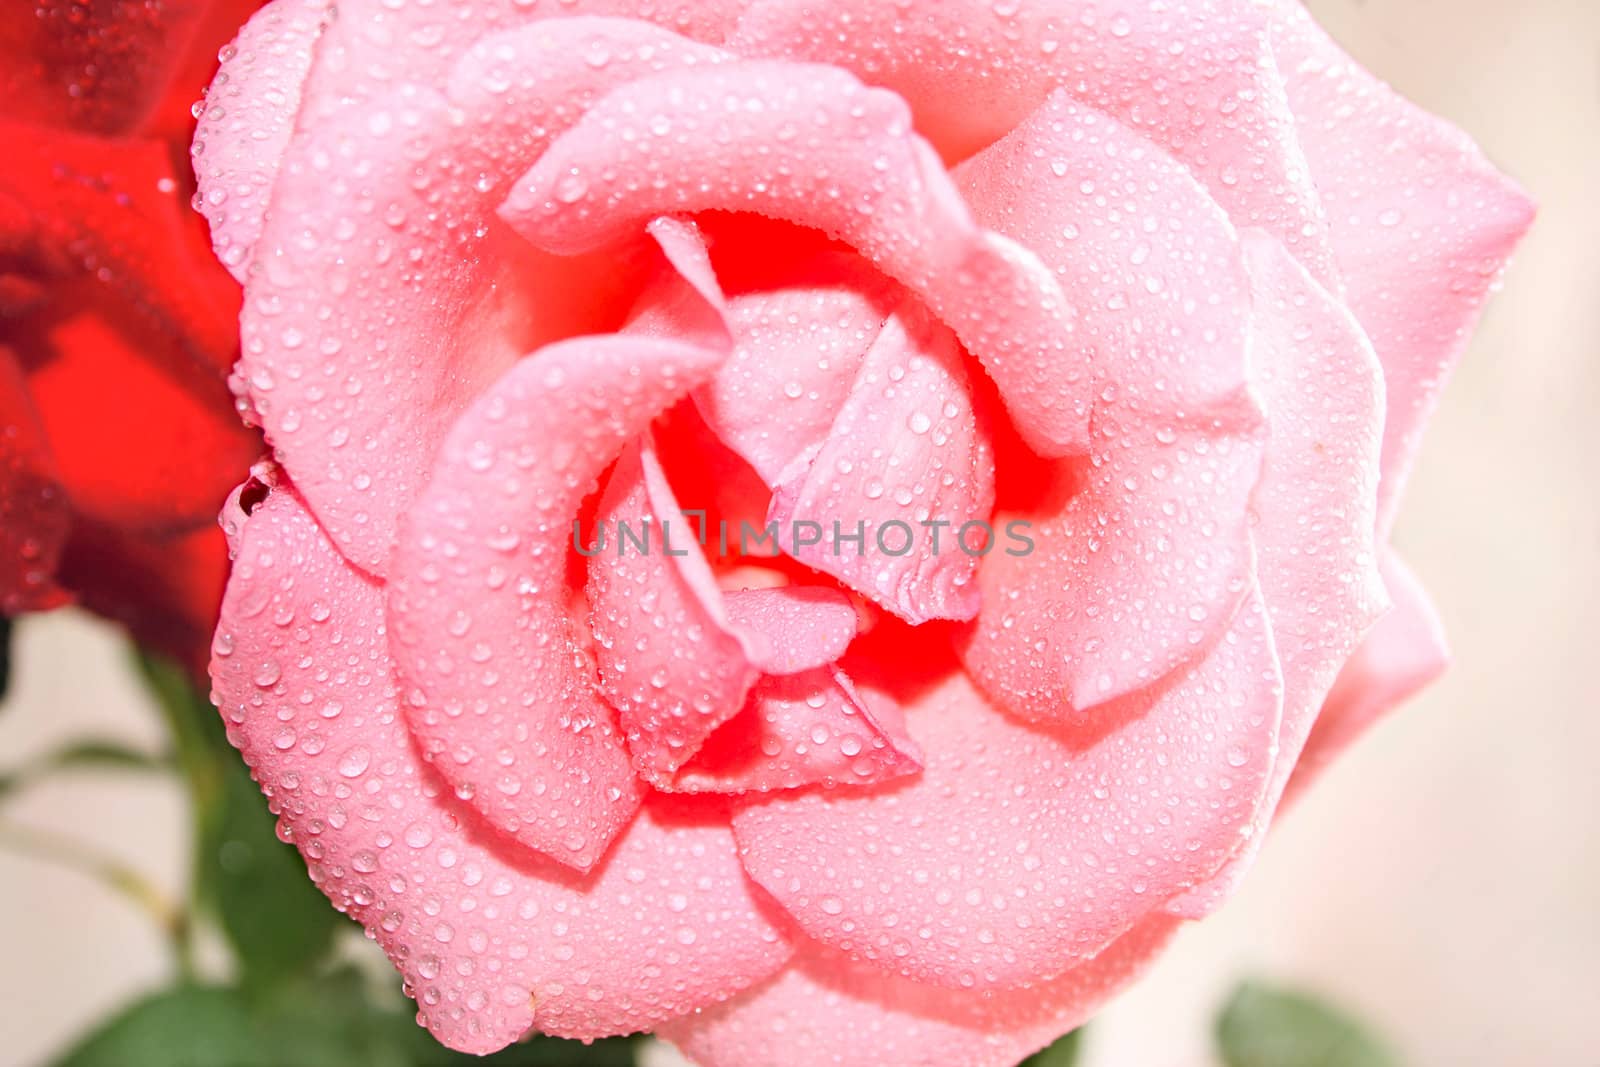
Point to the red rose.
(118, 438)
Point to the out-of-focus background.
(1441, 882)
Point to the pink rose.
(1149, 301)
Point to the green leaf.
(540, 1051)
(1064, 1053)
(1266, 1027)
(186, 1026)
(278, 922)
(85, 754)
(339, 1019)
(333, 1020)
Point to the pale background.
(1443, 880)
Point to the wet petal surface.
(848, 1014)
(1143, 557)
(1015, 854)
(491, 938)
(501, 693)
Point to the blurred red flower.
(118, 436)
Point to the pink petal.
(1404, 652)
(381, 44)
(826, 1009)
(671, 662)
(491, 939)
(531, 83)
(1422, 224)
(502, 696)
(812, 146)
(906, 449)
(1194, 77)
(1135, 576)
(804, 343)
(803, 729)
(795, 627)
(1016, 854)
(1315, 509)
(382, 269)
(1142, 558)
(1140, 246)
(249, 116)
(685, 303)
(677, 660)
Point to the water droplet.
(354, 763)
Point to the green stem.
(188, 718)
(77, 855)
(85, 754)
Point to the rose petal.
(1421, 224)
(677, 657)
(125, 328)
(792, 628)
(905, 449)
(812, 728)
(503, 699)
(164, 588)
(108, 214)
(670, 660)
(381, 267)
(554, 71)
(803, 342)
(1194, 77)
(1402, 653)
(361, 60)
(685, 303)
(125, 430)
(851, 1015)
(106, 68)
(34, 517)
(1315, 508)
(1127, 581)
(813, 146)
(248, 117)
(490, 939)
(1143, 558)
(1148, 257)
(1015, 855)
